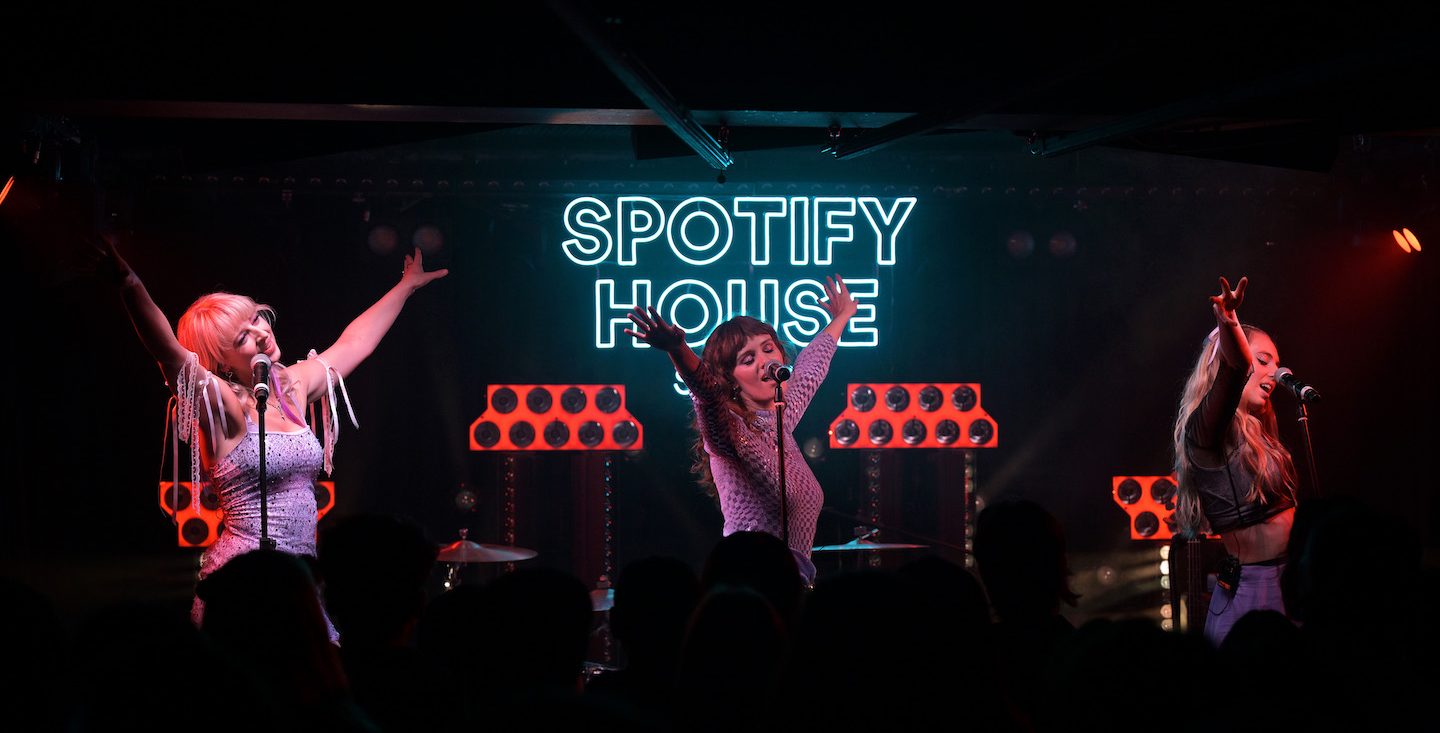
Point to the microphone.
(260, 374)
(1303, 391)
(777, 372)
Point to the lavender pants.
(1259, 589)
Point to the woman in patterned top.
(206, 363)
(734, 399)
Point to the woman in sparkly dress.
(206, 362)
(734, 399)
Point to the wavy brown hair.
(718, 363)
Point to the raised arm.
(150, 323)
(359, 339)
(841, 305)
(1234, 347)
(1208, 424)
(668, 338)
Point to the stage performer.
(1236, 478)
(207, 365)
(734, 399)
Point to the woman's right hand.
(1227, 301)
(109, 265)
(654, 331)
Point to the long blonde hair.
(1256, 437)
(207, 328)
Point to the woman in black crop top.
(1236, 478)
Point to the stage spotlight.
(556, 434)
(539, 400)
(930, 398)
(428, 238)
(487, 434)
(897, 398)
(1063, 244)
(1020, 243)
(465, 500)
(10, 183)
(1406, 239)
(847, 432)
(383, 239)
(981, 431)
(522, 434)
(1147, 524)
(963, 398)
(624, 433)
(178, 499)
(1105, 575)
(591, 434)
(863, 398)
(1129, 491)
(573, 400)
(195, 532)
(607, 400)
(947, 432)
(881, 432)
(814, 448)
(913, 432)
(505, 400)
(1163, 492)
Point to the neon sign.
(763, 236)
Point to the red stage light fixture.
(200, 523)
(1150, 502)
(6, 190)
(589, 417)
(918, 412)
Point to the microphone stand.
(265, 542)
(780, 462)
(1303, 417)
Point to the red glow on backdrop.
(551, 417)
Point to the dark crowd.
(742, 645)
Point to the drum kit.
(863, 543)
(457, 555)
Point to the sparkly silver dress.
(293, 460)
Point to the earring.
(228, 374)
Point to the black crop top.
(1222, 489)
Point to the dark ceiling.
(1277, 84)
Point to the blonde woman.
(206, 363)
(1236, 478)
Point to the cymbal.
(467, 551)
(859, 545)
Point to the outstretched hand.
(654, 331)
(414, 273)
(838, 299)
(108, 263)
(1227, 301)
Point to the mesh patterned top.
(743, 460)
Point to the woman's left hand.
(838, 299)
(415, 275)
